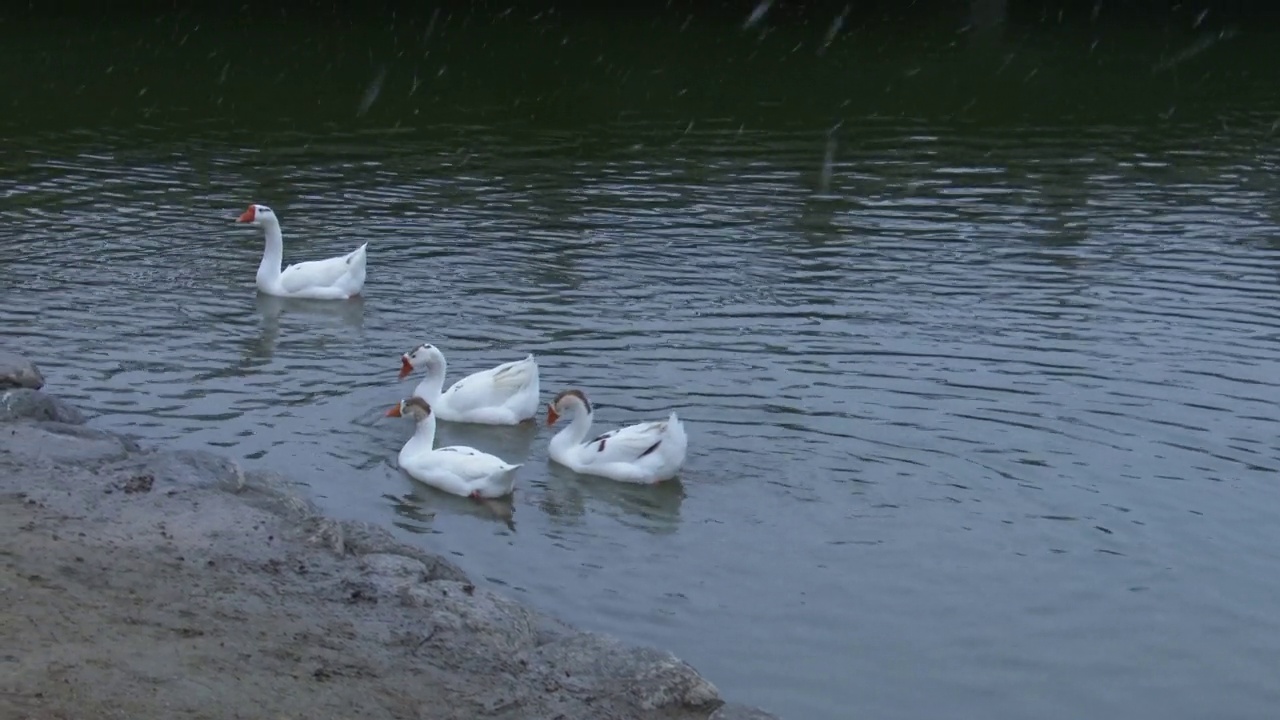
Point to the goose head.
(258, 215)
(567, 401)
(414, 407)
(425, 356)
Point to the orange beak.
(247, 215)
(394, 411)
(552, 415)
(406, 367)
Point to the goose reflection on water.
(416, 509)
(564, 498)
(345, 314)
(652, 508)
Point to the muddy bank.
(145, 583)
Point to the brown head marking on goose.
(413, 402)
(553, 414)
(574, 392)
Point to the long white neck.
(273, 255)
(576, 431)
(433, 383)
(423, 440)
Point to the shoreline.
(142, 582)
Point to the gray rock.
(394, 566)
(641, 679)
(734, 711)
(28, 404)
(361, 538)
(274, 493)
(551, 629)
(18, 372)
(479, 629)
(392, 574)
(194, 468)
(197, 470)
(60, 442)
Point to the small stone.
(389, 574)
(366, 539)
(139, 483)
(28, 404)
(192, 468)
(18, 372)
(394, 566)
(478, 631)
(641, 678)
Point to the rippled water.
(988, 424)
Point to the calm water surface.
(985, 426)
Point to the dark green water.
(974, 334)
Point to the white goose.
(503, 395)
(457, 469)
(648, 452)
(335, 278)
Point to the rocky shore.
(146, 583)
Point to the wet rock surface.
(25, 403)
(17, 371)
(149, 583)
(735, 711)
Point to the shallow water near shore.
(981, 403)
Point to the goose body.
(648, 452)
(502, 395)
(335, 278)
(458, 469)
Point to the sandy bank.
(144, 583)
